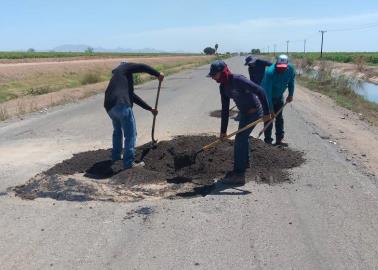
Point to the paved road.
(326, 219)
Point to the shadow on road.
(216, 188)
(103, 169)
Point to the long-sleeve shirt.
(257, 70)
(246, 94)
(275, 83)
(120, 89)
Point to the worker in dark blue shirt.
(252, 103)
(256, 68)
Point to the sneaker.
(233, 179)
(281, 143)
(136, 165)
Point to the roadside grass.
(35, 91)
(6, 95)
(3, 113)
(46, 83)
(50, 82)
(92, 77)
(342, 90)
(360, 63)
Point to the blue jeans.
(123, 123)
(279, 122)
(241, 146)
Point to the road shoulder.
(355, 138)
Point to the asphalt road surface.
(326, 219)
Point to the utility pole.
(304, 47)
(321, 48)
(268, 49)
(274, 47)
(287, 47)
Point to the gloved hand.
(154, 111)
(289, 99)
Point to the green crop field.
(343, 57)
(24, 55)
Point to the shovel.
(271, 121)
(184, 160)
(154, 141)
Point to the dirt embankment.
(92, 176)
(362, 71)
(365, 72)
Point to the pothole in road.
(92, 176)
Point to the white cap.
(282, 61)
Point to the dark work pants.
(241, 145)
(279, 122)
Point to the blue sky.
(189, 25)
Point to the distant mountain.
(82, 48)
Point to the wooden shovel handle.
(154, 119)
(232, 134)
(271, 121)
(233, 107)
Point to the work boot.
(281, 142)
(268, 140)
(233, 179)
(136, 165)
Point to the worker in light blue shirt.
(277, 79)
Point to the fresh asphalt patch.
(92, 176)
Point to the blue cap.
(250, 60)
(216, 66)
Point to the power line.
(360, 27)
(304, 47)
(287, 46)
(310, 37)
(321, 48)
